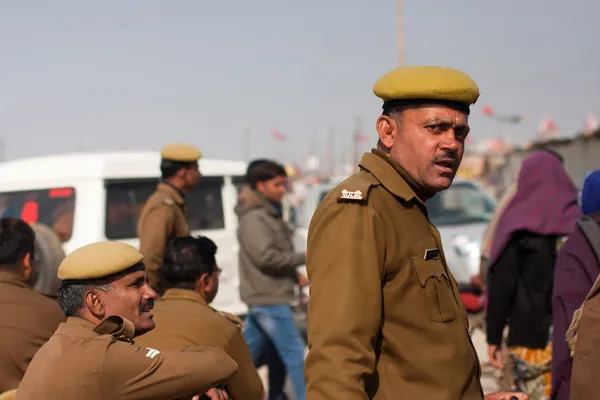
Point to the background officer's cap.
(10, 395)
(180, 152)
(98, 260)
(414, 85)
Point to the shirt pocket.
(436, 289)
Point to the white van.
(90, 197)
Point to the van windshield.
(53, 207)
(126, 198)
(461, 203)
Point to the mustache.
(146, 305)
(449, 158)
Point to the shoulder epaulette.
(120, 328)
(168, 201)
(356, 189)
(231, 318)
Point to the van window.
(125, 200)
(239, 182)
(53, 207)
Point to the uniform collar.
(175, 193)
(77, 321)
(389, 174)
(121, 328)
(183, 294)
(13, 278)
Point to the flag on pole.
(360, 137)
(487, 110)
(511, 119)
(591, 124)
(277, 135)
(547, 127)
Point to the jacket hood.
(248, 200)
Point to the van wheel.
(49, 253)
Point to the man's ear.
(387, 129)
(260, 187)
(94, 304)
(27, 267)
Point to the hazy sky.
(135, 74)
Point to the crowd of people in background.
(539, 264)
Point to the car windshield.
(462, 203)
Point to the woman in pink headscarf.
(541, 214)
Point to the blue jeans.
(275, 323)
(276, 370)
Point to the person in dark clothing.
(542, 212)
(576, 271)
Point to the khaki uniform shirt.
(83, 361)
(586, 347)
(163, 217)
(183, 319)
(385, 320)
(27, 320)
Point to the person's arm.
(158, 226)
(133, 372)
(502, 285)
(259, 243)
(345, 268)
(245, 384)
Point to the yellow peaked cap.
(180, 152)
(98, 260)
(427, 82)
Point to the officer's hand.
(506, 396)
(495, 356)
(302, 280)
(217, 394)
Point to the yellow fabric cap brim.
(180, 152)
(98, 260)
(427, 82)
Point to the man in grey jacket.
(268, 274)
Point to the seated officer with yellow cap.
(107, 300)
(164, 215)
(385, 320)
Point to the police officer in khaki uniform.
(184, 318)
(385, 319)
(164, 215)
(107, 300)
(27, 318)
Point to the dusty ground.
(487, 380)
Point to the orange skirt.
(532, 371)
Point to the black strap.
(591, 231)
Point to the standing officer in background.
(385, 318)
(184, 318)
(107, 300)
(165, 213)
(27, 318)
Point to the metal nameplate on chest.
(431, 254)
